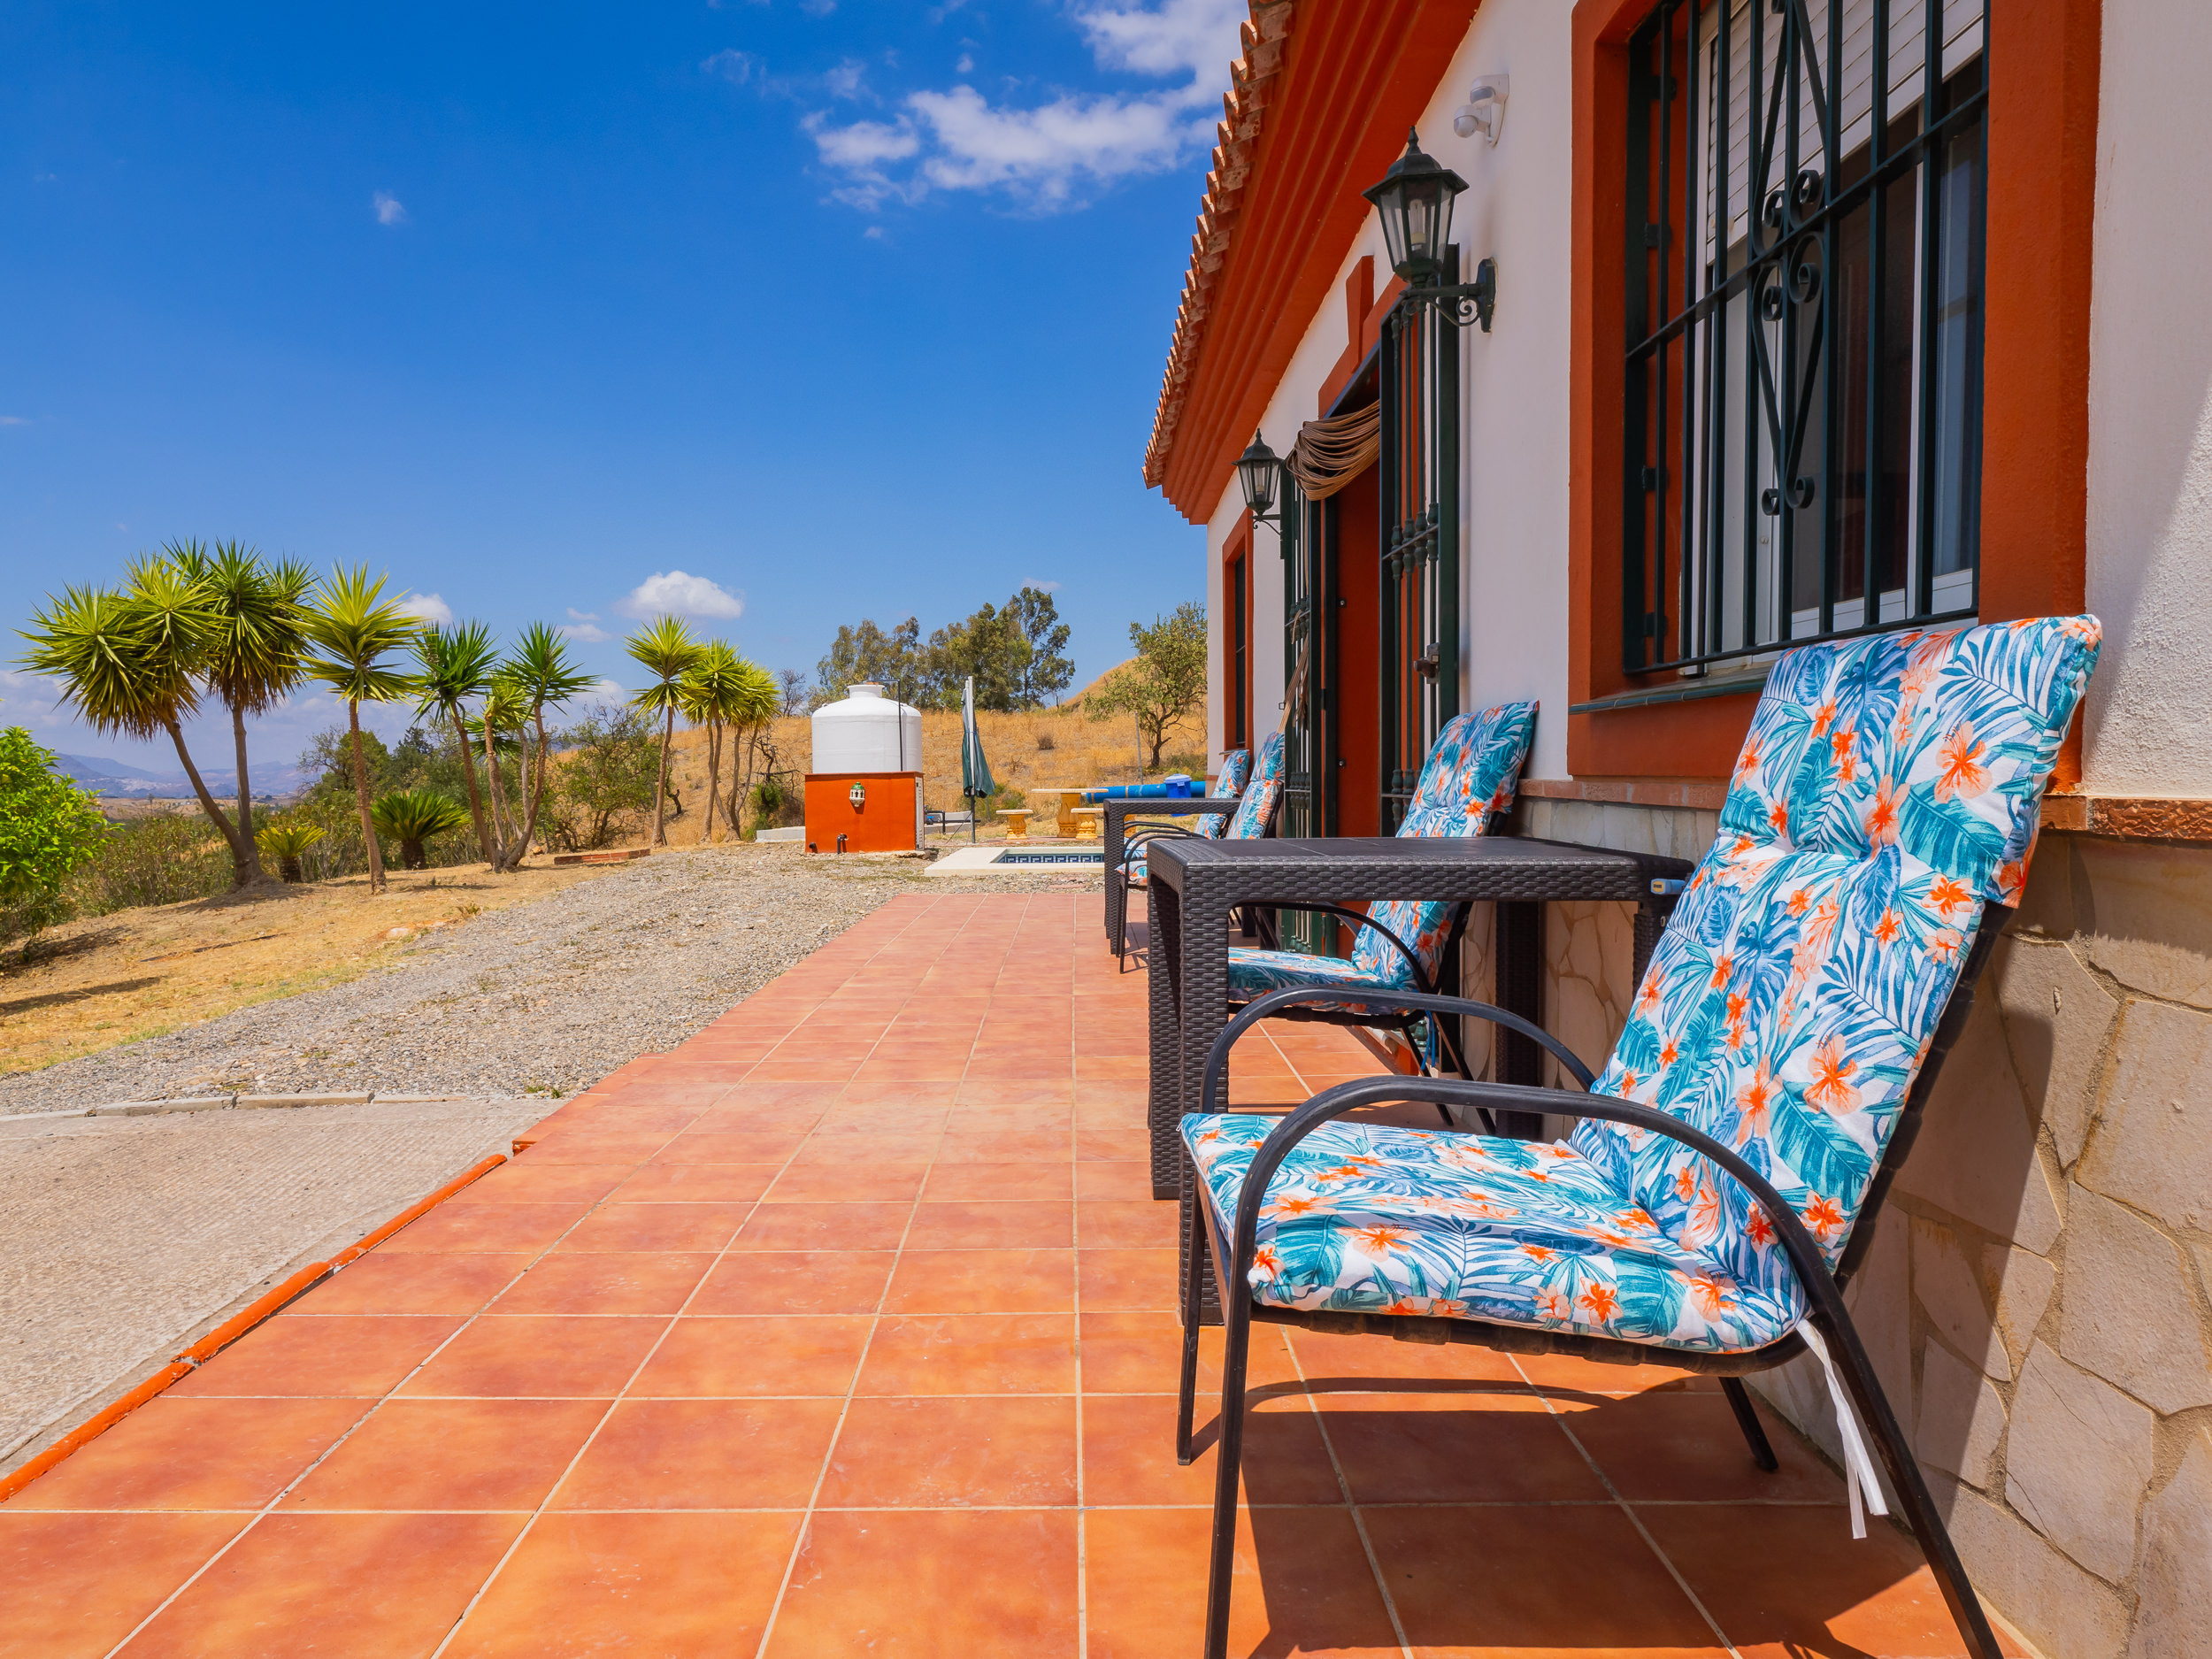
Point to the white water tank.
(867, 732)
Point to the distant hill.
(105, 776)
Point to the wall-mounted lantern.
(1415, 199)
(1256, 472)
(858, 795)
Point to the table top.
(1335, 869)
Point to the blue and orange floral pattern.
(1235, 771)
(1889, 788)
(1466, 783)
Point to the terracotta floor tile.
(1007, 1117)
(983, 1281)
(703, 1455)
(1327, 1359)
(335, 1584)
(870, 1120)
(1122, 1280)
(485, 1229)
(902, 1094)
(655, 1226)
(1685, 1447)
(603, 1147)
(697, 1146)
(1124, 1181)
(979, 1088)
(742, 1357)
(1301, 1585)
(354, 1356)
(79, 1584)
(451, 1454)
(186, 1453)
(1566, 1374)
(746, 1114)
(919, 1148)
(1492, 1446)
(796, 1281)
(1788, 1583)
(1516, 1583)
(823, 1226)
(867, 1181)
(539, 1357)
(999, 1183)
(1129, 1452)
(950, 1453)
(1011, 1145)
(1143, 1353)
(526, 1181)
(381, 1283)
(1127, 1223)
(697, 1183)
(933, 1585)
(635, 1283)
(1107, 1146)
(638, 1584)
(944, 1065)
(984, 1226)
(971, 1354)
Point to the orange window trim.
(1237, 549)
(2043, 56)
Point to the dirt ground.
(108, 980)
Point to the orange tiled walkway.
(847, 1328)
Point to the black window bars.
(1803, 396)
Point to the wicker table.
(1195, 884)
(1116, 833)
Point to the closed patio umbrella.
(975, 772)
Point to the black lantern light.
(1415, 199)
(1256, 469)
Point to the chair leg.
(1904, 1475)
(1195, 1267)
(1237, 1317)
(1747, 1420)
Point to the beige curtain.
(1331, 453)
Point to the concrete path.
(123, 1237)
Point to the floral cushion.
(1257, 810)
(1236, 767)
(1888, 788)
(1370, 1219)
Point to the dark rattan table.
(1195, 884)
(1116, 831)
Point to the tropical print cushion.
(1467, 781)
(1257, 810)
(1370, 1219)
(1254, 973)
(1889, 787)
(1236, 767)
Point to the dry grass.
(132, 974)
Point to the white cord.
(1858, 1469)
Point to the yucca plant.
(356, 627)
(457, 664)
(287, 842)
(411, 816)
(667, 651)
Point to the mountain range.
(108, 777)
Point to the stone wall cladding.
(2036, 1298)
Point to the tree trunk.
(660, 784)
(246, 845)
(714, 780)
(361, 791)
(499, 798)
(468, 770)
(532, 798)
(240, 857)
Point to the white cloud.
(1048, 587)
(733, 65)
(388, 209)
(1045, 156)
(847, 79)
(429, 607)
(15, 420)
(818, 8)
(574, 615)
(674, 592)
(966, 65)
(585, 633)
(604, 687)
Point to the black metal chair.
(1248, 810)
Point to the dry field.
(116, 978)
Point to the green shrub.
(49, 830)
(286, 842)
(164, 858)
(411, 816)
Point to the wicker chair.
(1769, 1081)
(1251, 816)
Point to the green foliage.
(49, 830)
(288, 841)
(609, 759)
(411, 816)
(1167, 680)
(1015, 656)
(164, 859)
(865, 653)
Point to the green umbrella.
(975, 772)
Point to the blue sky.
(837, 308)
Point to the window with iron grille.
(1804, 294)
(1239, 702)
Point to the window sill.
(1686, 691)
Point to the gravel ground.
(538, 999)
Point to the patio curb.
(189, 1360)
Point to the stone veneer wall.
(2036, 1298)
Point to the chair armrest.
(1361, 917)
(1412, 1002)
(1209, 805)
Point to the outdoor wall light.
(1256, 471)
(1415, 199)
(858, 795)
(1484, 112)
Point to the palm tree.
(257, 653)
(128, 663)
(541, 673)
(666, 650)
(356, 627)
(705, 690)
(754, 703)
(457, 664)
(499, 724)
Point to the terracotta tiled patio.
(847, 1328)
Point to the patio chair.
(1769, 1083)
(1255, 816)
(1465, 788)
